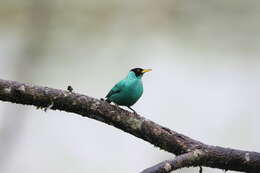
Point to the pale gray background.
(205, 79)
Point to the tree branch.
(162, 137)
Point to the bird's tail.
(107, 100)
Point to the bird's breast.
(134, 89)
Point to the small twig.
(48, 107)
(200, 170)
(181, 161)
(69, 88)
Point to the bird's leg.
(132, 109)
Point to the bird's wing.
(116, 89)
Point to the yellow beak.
(146, 70)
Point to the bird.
(128, 91)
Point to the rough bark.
(191, 152)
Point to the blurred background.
(205, 79)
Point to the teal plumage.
(128, 91)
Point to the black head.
(139, 71)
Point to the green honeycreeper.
(127, 91)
